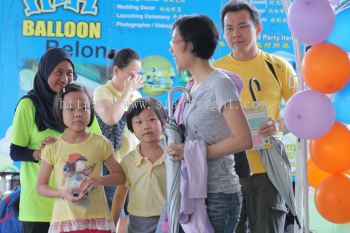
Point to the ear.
(258, 29)
(115, 70)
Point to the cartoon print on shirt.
(75, 171)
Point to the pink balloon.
(309, 114)
(311, 21)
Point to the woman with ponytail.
(111, 101)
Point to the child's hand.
(73, 194)
(176, 151)
(88, 184)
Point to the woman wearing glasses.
(214, 103)
(33, 127)
(111, 100)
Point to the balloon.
(311, 21)
(314, 174)
(326, 68)
(332, 199)
(317, 224)
(309, 114)
(341, 104)
(331, 152)
(341, 31)
(320, 225)
(334, 2)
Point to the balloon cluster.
(311, 114)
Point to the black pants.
(35, 227)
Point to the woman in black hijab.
(33, 122)
(44, 92)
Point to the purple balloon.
(235, 79)
(334, 2)
(311, 21)
(309, 114)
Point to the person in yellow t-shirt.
(263, 206)
(76, 160)
(111, 100)
(144, 167)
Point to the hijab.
(42, 95)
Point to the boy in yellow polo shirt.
(144, 167)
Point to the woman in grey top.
(214, 115)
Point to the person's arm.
(22, 127)
(111, 112)
(118, 202)
(290, 87)
(116, 176)
(19, 153)
(289, 82)
(44, 189)
(241, 137)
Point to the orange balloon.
(332, 199)
(331, 152)
(315, 175)
(326, 68)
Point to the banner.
(88, 29)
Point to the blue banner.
(88, 29)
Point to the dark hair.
(201, 31)
(58, 106)
(123, 57)
(238, 5)
(141, 104)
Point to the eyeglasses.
(173, 41)
(139, 74)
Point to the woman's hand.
(133, 83)
(176, 151)
(46, 141)
(37, 155)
